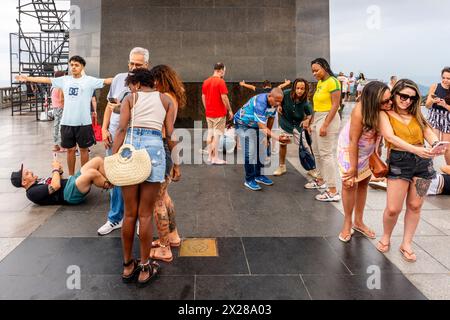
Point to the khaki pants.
(324, 148)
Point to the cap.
(16, 178)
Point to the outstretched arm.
(108, 81)
(248, 86)
(22, 78)
(284, 84)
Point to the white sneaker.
(314, 185)
(329, 197)
(108, 227)
(378, 185)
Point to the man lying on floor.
(440, 184)
(54, 190)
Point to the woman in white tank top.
(152, 112)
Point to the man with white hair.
(139, 58)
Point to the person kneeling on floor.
(55, 190)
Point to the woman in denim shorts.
(168, 82)
(152, 111)
(410, 164)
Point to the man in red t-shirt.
(217, 106)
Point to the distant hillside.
(423, 89)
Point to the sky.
(407, 38)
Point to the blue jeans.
(252, 140)
(116, 204)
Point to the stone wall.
(256, 39)
(86, 40)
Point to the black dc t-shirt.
(39, 194)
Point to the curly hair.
(304, 97)
(168, 81)
(142, 76)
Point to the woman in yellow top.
(325, 130)
(410, 164)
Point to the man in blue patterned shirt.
(251, 127)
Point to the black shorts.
(83, 136)
(405, 165)
(169, 162)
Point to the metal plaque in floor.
(199, 247)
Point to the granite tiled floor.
(274, 244)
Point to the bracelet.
(55, 170)
(435, 143)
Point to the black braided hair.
(324, 64)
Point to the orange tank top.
(411, 133)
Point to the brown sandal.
(157, 243)
(160, 254)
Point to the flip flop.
(383, 248)
(162, 258)
(156, 244)
(345, 239)
(365, 233)
(410, 254)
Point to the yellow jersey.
(322, 96)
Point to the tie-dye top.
(366, 146)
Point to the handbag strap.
(132, 117)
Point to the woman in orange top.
(410, 163)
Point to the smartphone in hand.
(440, 147)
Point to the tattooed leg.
(171, 212)
(161, 217)
(422, 186)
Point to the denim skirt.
(150, 140)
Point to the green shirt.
(293, 113)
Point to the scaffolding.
(38, 54)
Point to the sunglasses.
(385, 101)
(137, 65)
(405, 97)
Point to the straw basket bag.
(128, 166)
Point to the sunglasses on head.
(405, 97)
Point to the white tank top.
(149, 112)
